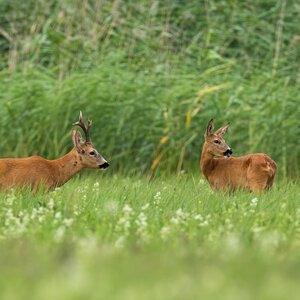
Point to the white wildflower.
(198, 217)
(57, 215)
(15, 224)
(204, 223)
(157, 196)
(9, 212)
(253, 202)
(51, 204)
(127, 209)
(180, 217)
(145, 206)
(11, 198)
(41, 219)
(124, 223)
(174, 220)
(41, 209)
(142, 224)
(180, 213)
(164, 232)
(68, 222)
(33, 213)
(141, 220)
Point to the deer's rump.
(260, 162)
(261, 170)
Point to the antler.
(86, 129)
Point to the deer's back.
(31, 171)
(242, 171)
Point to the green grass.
(115, 237)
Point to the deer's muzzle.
(228, 152)
(104, 166)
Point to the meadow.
(150, 74)
(115, 237)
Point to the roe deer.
(36, 171)
(255, 172)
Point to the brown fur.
(255, 172)
(36, 171)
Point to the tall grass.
(150, 74)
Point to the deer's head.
(89, 156)
(215, 140)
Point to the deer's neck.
(207, 161)
(67, 166)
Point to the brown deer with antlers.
(36, 171)
(254, 172)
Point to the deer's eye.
(217, 142)
(92, 153)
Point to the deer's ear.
(210, 128)
(77, 140)
(221, 131)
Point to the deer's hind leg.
(257, 186)
(270, 181)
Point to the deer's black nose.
(228, 152)
(104, 166)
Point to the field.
(150, 74)
(115, 237)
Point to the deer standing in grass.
(36, 171)
(255, 172)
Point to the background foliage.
(151, 74)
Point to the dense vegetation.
(150, 74)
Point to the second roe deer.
(36, 171)
(254, 172)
